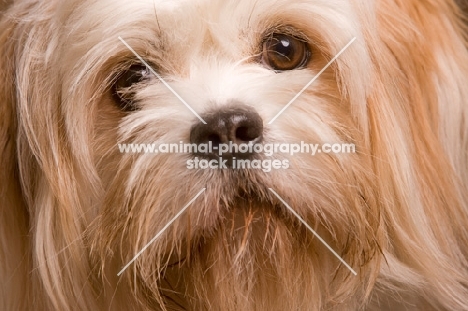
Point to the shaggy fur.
(74, 211)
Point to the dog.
(85, 226)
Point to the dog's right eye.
(123, 89)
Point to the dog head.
(79, 82)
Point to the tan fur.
(74, 211)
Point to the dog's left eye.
(123, 90)
(283, 52)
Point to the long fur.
(74, 211)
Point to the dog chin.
(254, 245)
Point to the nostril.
(215, 139)
(245, 133)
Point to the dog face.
(75, 90)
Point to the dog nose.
(238, 124)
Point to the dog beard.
(76, 210)
(240, 242)
(251, 254)
(264, 257)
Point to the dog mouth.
(232, 194)
(249, 214)
(257, 201)
(249, 208)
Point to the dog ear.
(420, 142)
(15, 262)
(42, 214)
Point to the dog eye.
(123, 89)
(282, 52)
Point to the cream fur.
(73, 210)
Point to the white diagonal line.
(313, 231)
(313, 80)
(160, 232)
(162, 80)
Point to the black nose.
(239, 124)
